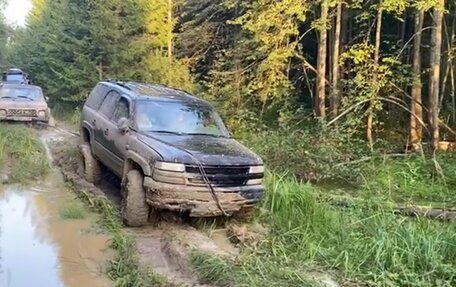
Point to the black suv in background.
(171, 150)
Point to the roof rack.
(119, 83)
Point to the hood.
(208, 150)
(6, 104)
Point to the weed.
(67, 112)
(22, 154)
(366, 242)
(74, 210)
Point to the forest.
(352, 105)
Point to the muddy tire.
(92, 168)
(135, 210)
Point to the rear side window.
(96, 97)
(109, 104)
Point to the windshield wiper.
(25, 97)
(167, 132)
(204, 134)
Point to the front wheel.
(135, 210)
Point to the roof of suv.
(155, 92)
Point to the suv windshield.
(29, 93)
(179, 118)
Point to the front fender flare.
(141, 161)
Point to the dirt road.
(38, 247)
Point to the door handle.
(106, 132)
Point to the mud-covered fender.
(85, 125)
(138, 159)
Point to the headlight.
(42, 114)
(257, 169)
(178, 167)
(2, 113)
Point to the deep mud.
(40, 248)
(165, 245)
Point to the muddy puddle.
(38, 247)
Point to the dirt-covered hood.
(208, 150)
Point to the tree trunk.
(416, 129)
(378, 35)
(434, 86)
(321, 65)
(170, 27)
(335, 64)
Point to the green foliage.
(371, 83)
(366, 242)
(310, 154)
(73, 210)
(22, 155)
(412, 179)
(69, 45)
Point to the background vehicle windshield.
(179, 118)
(26, 93)
(19, 78)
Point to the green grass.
(367, 242)
(22, 155)
(68, 113)
(411, 179)
(74, 210)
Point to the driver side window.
(122, 110)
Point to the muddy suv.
(171, 150)
(25, 103)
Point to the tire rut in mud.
(164, 246)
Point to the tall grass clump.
(412, 178)
(367, 241)
(364, 242)
(67, 112)
(22, 155)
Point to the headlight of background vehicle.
(257, 169)
(42, 114)
(2, 113)
(169, 166)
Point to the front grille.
(218, 175)
(21, 113)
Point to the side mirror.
(123, 125)
(46, 99)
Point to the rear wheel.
(135, 210)
(92, 168)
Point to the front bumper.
(24, 119)
(198, 200)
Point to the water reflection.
(38, 248)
